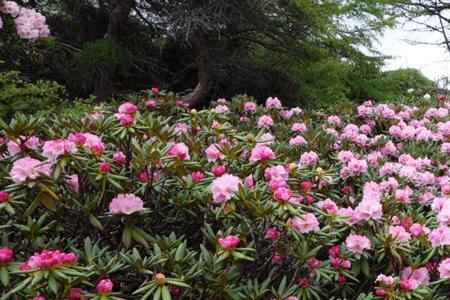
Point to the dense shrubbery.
(17, 95)
(155, 200)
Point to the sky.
(432, 60)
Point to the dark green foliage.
(394, 84)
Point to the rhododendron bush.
(154, 200)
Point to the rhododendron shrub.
(154, 200)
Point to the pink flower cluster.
(180, 150)
(6, 255)
(28, 168)
(126, 114)
(49, 259)
(229, 242)
(224, 187)
(30, 24)
(261, 153)
(126, 204)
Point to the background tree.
(307, 52)
(429, 15)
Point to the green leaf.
(165, 293)
(95, 222)
(126, 237)
(365, 267)
(4, 276)
(157, 294)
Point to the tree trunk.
(118, 18)
(198, 95)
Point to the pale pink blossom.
(265, 121)
(126, 204)
(309, 158)
(224, 187)
(261, 153)
(305, 224)
(357, 243)
(29, 168)
(444, 269)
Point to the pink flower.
(273, 102)
(309, 158)
(127, 108)
(357, 243)
(104, 167)
(306, 185)
(250, 106)
(282, 194)
(73, 180)
(181, 128)
(6, 255)
(55, 148)
(224, 187)
(297, 141)
(125, 119)
(4, 196)
(261, 153)
(399, 234)
(357, 167)
(418, 229)
(154, 90)
(10, 8)
(248, 181)
(75, 294)
(218, 170)
(150, 103)
(334, 120)
(299, 127)
(265, 121)
(23, 143)
(439, 236)
(415, 277)
(93, 142)
(78, 138)
(222, 109)
(444, 269)
(126, 204)
(386, 280)
(180, 150)
(328, 205)
(38, 298)
(403, 195)
(229, 242)
(272, 234)
(313, 263)
(29, 168)
(213, 153)
(49, 259)
(143, 176)
(119, 158)
(306, 223)
(405, 284)
(197, 176)
(276, 173)
(105, 286)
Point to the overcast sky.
(433, 61)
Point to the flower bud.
(319, 171)
(105, 286)
(4, 196)
(104, 167)
(160, 279)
